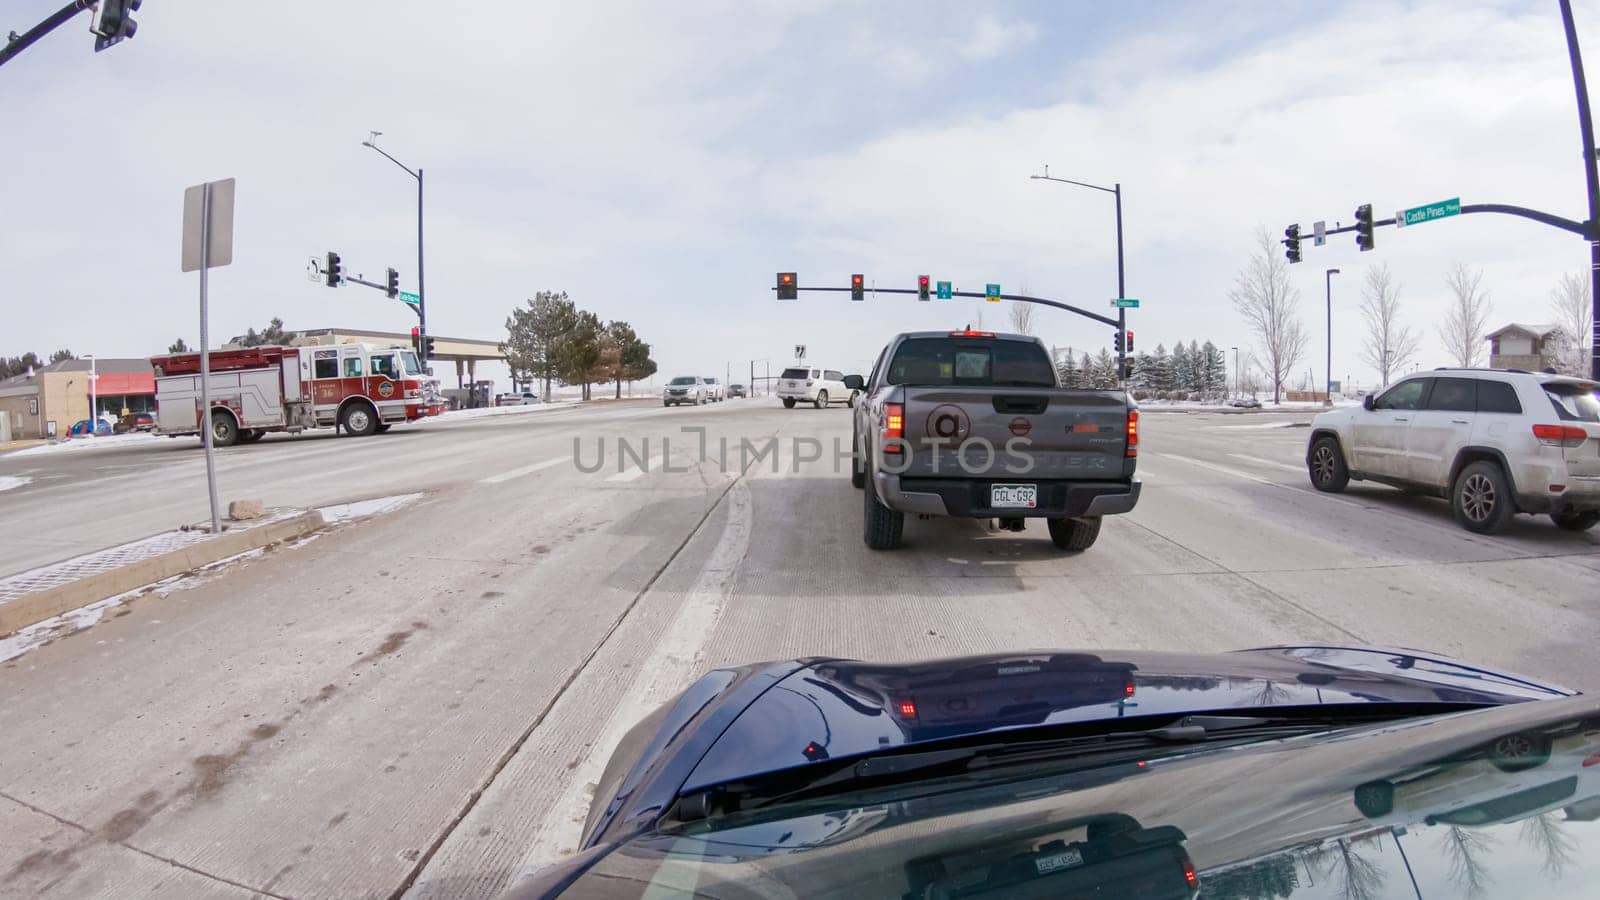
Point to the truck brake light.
(968, 332)
(894, 426)
(1560, 435)
(1133, 433)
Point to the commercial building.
(1531, 348)
(47, 401)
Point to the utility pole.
(1592, 175)
(1328, 381)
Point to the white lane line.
(1268, 462)
(523, 470)
(652, 464)
(1224, 470)
(677, 658)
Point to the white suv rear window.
(1574, 403)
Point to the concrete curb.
(28, 609)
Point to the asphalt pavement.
(417, 704)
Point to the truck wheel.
(881, 526)
(822, 399)
(1481, 498)
(251, 435)
(1326, 466)
(788, 403)
(858, 472)
(224, 430)
(1075, 534)
(359, 420)
(1375, 799)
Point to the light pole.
(422, 296)
(1327, 380)
(1122, 314)
(1235, 370)
(94, 396)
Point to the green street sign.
(991, 292)
(944, 290)
(1428, 212)
(408, 297)
(1125, 303)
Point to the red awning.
(119, 384)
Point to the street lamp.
(1122, 313)
(1235, 370)
(94, 396)
(1327, 379)
(422, 297)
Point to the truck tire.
(1481, 498)
(858, 472)
(1075, 534)
(788, 403)
(224, 428)
(822, 400)
(881, 526)
(251, 435)
(1326, 466)
(359, 420)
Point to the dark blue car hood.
(832, 709)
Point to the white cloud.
(991, 37)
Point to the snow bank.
(88, 443)
(345, 512)
(7, 482)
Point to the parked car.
(818, 387)
(524, 398)
(1090, 774)
(1494, 442)
(139, 421)
(1245, 403)
(81, 427)
(934, 435)
(736, 390)
(715, 392)
(690, 389)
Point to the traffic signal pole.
(1019, 298)
(1122, 291)
(21, 42)
(1592, 175)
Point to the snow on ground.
(7, 482)
(456, 415)
(345, 512)
(88, 443)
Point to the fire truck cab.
(357, 387)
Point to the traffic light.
(427, 352)
(1291, 241)
(334, 272)
(416, 337)
(922, 287)
(112, 22)
(392, 285)
(858, 287)
(1130, 342)
(788, 286)
(1116, 342)
(1364, 226)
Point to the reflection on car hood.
(838, 708)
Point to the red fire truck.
(358, 387)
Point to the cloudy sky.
(660, 161)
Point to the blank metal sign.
(221, 249)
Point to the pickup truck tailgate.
(1057, 432)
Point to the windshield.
(971, 361)
(353, 532)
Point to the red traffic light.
(922, 281)
(857, 280)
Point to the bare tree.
(1022, 317)
(1556, 849)
(1269, 304)
(1570, 305)
(1464, 323)
(1389, 345)
(1467, 850)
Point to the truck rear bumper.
(969, 499)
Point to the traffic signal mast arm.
(1017, 297)
(1582, 229)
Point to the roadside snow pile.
(345, 512)
(455, 415)
(7, 482)
(89, 443)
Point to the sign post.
(207, 242)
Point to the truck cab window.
(352, 367)
(326, 368)
(383, 365)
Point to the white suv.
(818, 387)
(716, 392)
(1494, 442)
(690, 389)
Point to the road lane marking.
(675, 661)
(523, 470)
(1267, 462)
(652, 464)
(1223, 470)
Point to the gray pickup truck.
(974, 424)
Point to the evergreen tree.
(1197, 366)
(1141, 372)
(1161, 370)
(1182, 368)
(1213, 368)
(1105, 371)
(1067, 370)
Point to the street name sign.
(1125, 303)
(408, 297)
(1427, 212)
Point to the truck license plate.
(1013, 496)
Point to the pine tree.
(1197, 367)
(1141, 372)
(1161, 370)
(1105, 371)
(1213, 369)
(1067, 370)
(1182, 368)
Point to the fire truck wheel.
(358, 419)
(224, 430)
